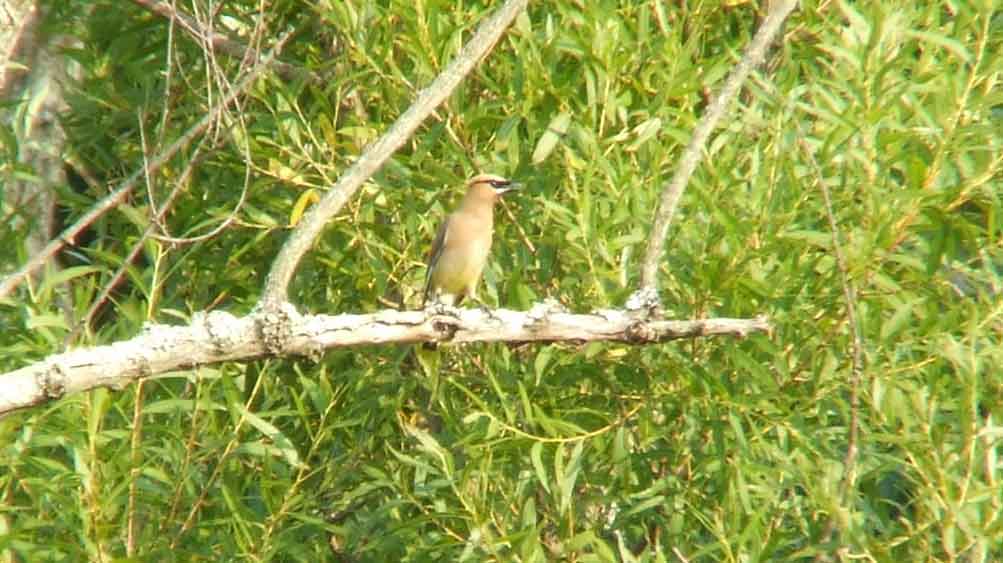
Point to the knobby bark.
(221, 337)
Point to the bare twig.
(99, 301)
(231, 216)
(518, 227)
(167, 112)
(113, 199)
(856, 341)
(219, 337)
(376, 154)
(229, 220)
(159, 213)
(693, 153)
(221, 43)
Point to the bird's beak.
(512, 186)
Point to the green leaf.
(643, 132)
(59, 277)
(551, 135)
(280, 443)
(536, 457)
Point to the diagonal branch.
(112, 200)
(180, 185)
(693, 153)
(276, 329)
(277, 284)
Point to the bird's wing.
(434, 254)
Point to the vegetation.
(770, 448)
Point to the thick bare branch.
(275, 329)
(693, 153)
(375, 155)
(219, 337)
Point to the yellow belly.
(458, 273)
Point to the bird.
(463, 242)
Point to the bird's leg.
(440, 306)
(489, 311)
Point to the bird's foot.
(488, 311)
(439, 308)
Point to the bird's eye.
(499, 183)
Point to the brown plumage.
(463, 242)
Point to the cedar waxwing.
(463, 242)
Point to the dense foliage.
(702, 450)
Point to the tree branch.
(158, 216)
(693, 153)
(19, 24)
(276, 329)
(220, 42)
(116, 197)
(856, 346)
(276, 286)
(219, 337)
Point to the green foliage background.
(703, 450)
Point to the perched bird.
(463, 242)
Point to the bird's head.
(491, 186)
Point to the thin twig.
(135, 470)
(518, 226)
(113, 199)
(224, 458)
(158, 214)
(230, 219)
(232, 215)
(856, 342)
(221, 42)
(693, 153)
(137, 247)
(375, 155)
(165, 115)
